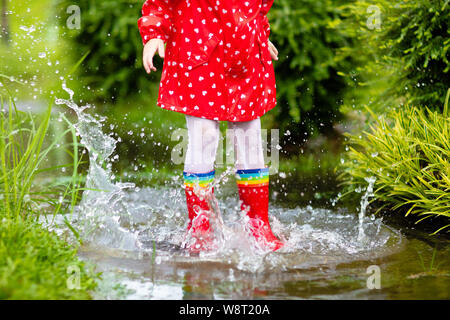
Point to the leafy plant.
(408, 151)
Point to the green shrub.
(408, 152)
(408, 43)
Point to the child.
(218, 68)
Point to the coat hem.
(194, 113)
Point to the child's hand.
(149, 51)
(273, 51)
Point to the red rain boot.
(253, 186)
(198, 210)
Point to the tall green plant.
(408, 152)
(23, 154)
(35, 263)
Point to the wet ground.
(139, 252)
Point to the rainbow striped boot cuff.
(252, 177)
(203, 180)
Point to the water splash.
(101, 210)
(152, 221)
(363, 207)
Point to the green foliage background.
(408, 52)
(417, 38)
(113, 69)
(310, 85)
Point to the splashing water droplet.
(364, 204)
(101, 200)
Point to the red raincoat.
(217, 62)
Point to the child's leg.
(198, 175)
(248, 151)
(202, 145)
(253, 180)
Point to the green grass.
(24, 151)
(35, 262)
(408, 151)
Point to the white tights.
(204, 137)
